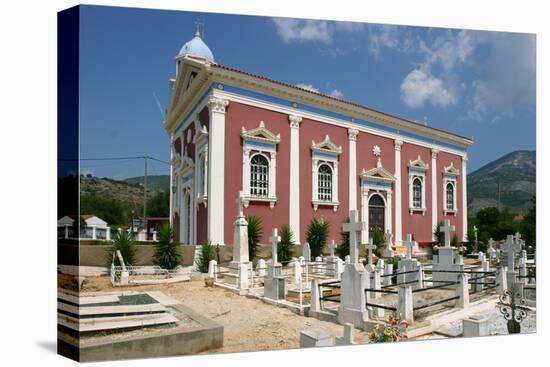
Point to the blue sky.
(474, 83)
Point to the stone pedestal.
(212, 269)
(261, 268)
(448, 260)
(475, 326)
(405, 303)
(388, 269)
(274, 284)
(462, 291)
(353, 307)
(315, 337)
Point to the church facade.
(299, 155)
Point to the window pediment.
(200, 135)
(326, 146)
(451, 170)
(260, 134)
(379, 174)
(418, 164)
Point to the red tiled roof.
(87, 216)
(229, 68)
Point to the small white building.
(95, 229)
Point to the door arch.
(377, 213)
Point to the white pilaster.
(294, 179)
(464, 200)
(216, 171)
(352, 138)
(246, 171)
(388, 212)
(398, 210)
(335, 182)
(434, 189)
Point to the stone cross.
(331, 247)
(410, 246)
(491, 243)
(240, 204)
(275, 239)
(370, 248)
(447, 228)
(352, 228)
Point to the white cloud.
(446, 52)
(420, 86)
(303, 30)
(308, 87)
(388, 36)
(336, 94)
(511, 78)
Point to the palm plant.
(316, 235)
(167, 251)
(124, 243)
(284, 250)
(254, 235)
(438, 234)
(206, 254)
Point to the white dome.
(197, 47)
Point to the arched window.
(450, 196)
(259, 175)
(325, 183)
(417, 193)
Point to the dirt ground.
(249, 324)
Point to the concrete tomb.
(274, 283)
(448, 263)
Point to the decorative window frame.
(201, 157)
(376, 181)
(324, 152)
(186, 180)
(450, 174)
(417, 170)
(260, 141)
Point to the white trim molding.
(325, 153)
(417, 171)
(464, 200)
(294, 179)
(216, 169)
(450, 173)
(435, 152)
(260, 141)
(398, 143)
(201, 158)
(352, 194)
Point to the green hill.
(515, 172)
(161, 182)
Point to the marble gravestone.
(274, 283)
(448, 259)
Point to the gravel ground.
(497, 323)
(249, 323)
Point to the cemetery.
(309, 301)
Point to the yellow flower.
(388, 331)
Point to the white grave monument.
(306, 252)
(353, 307)
(409, 264)
(448, 260)
(274, 284)
(387, 251)
(240, 249)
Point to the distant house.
(95, 229)
(154, 224)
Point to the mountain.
(516, 174)
(161, 182)
(119, 190)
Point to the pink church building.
(299, 155)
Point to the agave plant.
(284, 250)
(317, 234)
(124, 243)
(254, 235)
(207, 253)
(167, 251)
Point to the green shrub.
(206, 254)
(438, 234)
(316, 236)
(254, 235)
(167, 252)
(455, 242)
(123, 242)
(378, 240)
(343, 250)
(284, 249)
